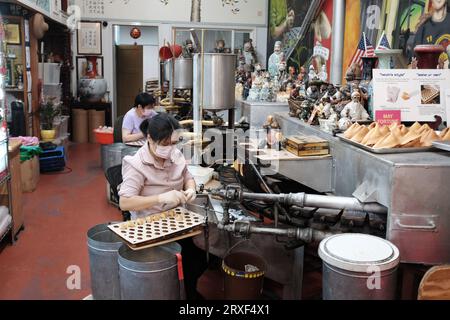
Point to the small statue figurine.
(188, 49)
(323, 75)
(354, 109)
(312, 75)
(275, 60)
(247, 87)
(292, 73)
(345, 122)
(249, 57)
(220, 47)
(19, 76)
(302, 77)
(312, 93)
(271, 123)
(327, 108)
(282, 74)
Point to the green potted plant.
(48, 111)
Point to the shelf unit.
(5, 177)
(19, 52)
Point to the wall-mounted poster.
(418, 93)
(285, 20)
(12, 33)
(90, 38)
(406, 24)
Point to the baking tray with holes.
(159, 228)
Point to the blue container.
(52, 160)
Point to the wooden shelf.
(14, 90)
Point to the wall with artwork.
(164, 15)
(285, 20)
(406, 23)
(247, 12)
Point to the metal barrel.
(103, 246)
(340, 284)
(111, 155)
(149, 274)
(219, 81)
(183, 77)
(358, 267)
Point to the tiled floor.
(52, 248)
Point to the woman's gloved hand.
(190, 194)
(172, 199)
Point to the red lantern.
(135, 33)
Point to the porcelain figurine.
(275, 60)
(354, 109)
(323, 75)
(344, 123)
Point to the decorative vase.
(92, 87)
(92, 90)
(428, 55)
(91, 67)
(386, 58)
(48, 135)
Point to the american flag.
(364, 49)
(384, 43)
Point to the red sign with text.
(388, 117)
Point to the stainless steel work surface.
(414, 186)
(257, 112)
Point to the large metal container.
(219, 81)
(358, 267)
(183, 77)
(111, 155)
(149, 274)
(103, 246)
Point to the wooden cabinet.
(11, 191)
(16, 187)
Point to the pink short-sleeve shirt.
(143, 176)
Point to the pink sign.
(388, 117)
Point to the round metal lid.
(356, 252)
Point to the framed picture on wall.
(12, 33)
(83, 69)
(89, 38)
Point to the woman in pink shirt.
(142, 110)
(156, 179)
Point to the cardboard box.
(30, 174)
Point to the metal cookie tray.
(386, 150)
(443, 145)
(157, 228)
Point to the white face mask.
(164, 152)
(149, 113)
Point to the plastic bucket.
(238, 283)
